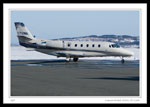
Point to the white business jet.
(69, 49)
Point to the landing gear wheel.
(75, 59)
(122, 61)
(68, 59)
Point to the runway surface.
(82, 78)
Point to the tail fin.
(22, 31)
(23, 34)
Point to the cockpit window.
(114, 46)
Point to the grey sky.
(59, 24)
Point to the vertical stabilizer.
(22, 30)
(24, 36)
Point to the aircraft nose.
(129, 53)
(126, 53)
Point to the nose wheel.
(122, 61)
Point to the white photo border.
(141, 7)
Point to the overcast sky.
(60, 24)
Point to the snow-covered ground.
(21, 53)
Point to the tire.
(75, 59)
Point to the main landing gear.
(69, 59)
(75, 59)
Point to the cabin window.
(81, 45)
(93, 45)
(68, 45)
(87, 45)
(75, 45)
(99, 45)
(113, 46)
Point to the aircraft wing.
(71, 54)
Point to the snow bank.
(21, 53)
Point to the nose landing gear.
(122, 61)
